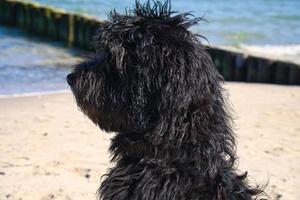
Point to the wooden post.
(282, 73)
(71, 30)
(294, 77)
(266, 70)
(252, 68)
(228, 62)
(78, 31)
(52, 21)
(240, 67)
(216, 57)
(63, 27)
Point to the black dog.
(152, 82)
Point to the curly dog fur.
(153, 83)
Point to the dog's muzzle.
(71, 79)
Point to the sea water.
(230, 22)
(266, 27)
(263, 27)
(30, 65)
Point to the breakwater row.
(78, 30)
(74, 30)
(238, 66)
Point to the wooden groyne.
(239, 66)
(78, 30)
(74, 30)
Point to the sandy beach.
(49, 150)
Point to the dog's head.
(147, 66)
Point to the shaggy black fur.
(152, 82)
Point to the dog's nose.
(71, 79)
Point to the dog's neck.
(136, 146)
(130, 144)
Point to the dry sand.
(49, 150)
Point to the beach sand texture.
(49, 150)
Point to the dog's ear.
(188, 97)
(139, 107)
(143, 111)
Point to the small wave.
(286, 17)
(282, 52)
(29, 94)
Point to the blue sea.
(33, 65)
(230, 22)
(264, 27)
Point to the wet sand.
(49, 150)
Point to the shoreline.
(31, 94)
